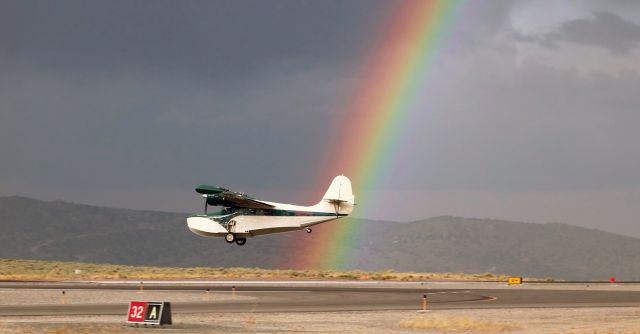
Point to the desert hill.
(34, 229)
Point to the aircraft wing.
(210, 190)
(225, 197)
(239, 200)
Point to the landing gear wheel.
(241, 241)
(230, 238)
(309, 230)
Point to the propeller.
(205, 203)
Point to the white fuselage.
(252, 222)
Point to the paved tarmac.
(333, 297)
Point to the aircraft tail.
(339, 197)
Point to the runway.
(332, 297)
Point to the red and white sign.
(137, 311)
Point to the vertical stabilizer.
(339, 197)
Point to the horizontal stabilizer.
(336, 201)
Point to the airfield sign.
(515, 280)
(149, 313)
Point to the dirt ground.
(624, 320)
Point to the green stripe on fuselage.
(276, 212)
(271, 212)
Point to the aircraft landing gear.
(230, 238)
(241, 241)
(309, 230)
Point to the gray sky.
(531, 112)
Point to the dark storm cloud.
(131, 131)
(604, 29)
(131, 103)
(113, 94)
(531, 127)
(217, 40)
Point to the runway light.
(424, 302)
(612, 279)
(233, 292)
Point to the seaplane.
(241, 216)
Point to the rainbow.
(380, 107)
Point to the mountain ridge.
(64, 231)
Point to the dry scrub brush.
(49, 270)
(456, 323)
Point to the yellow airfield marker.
(515, 280)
